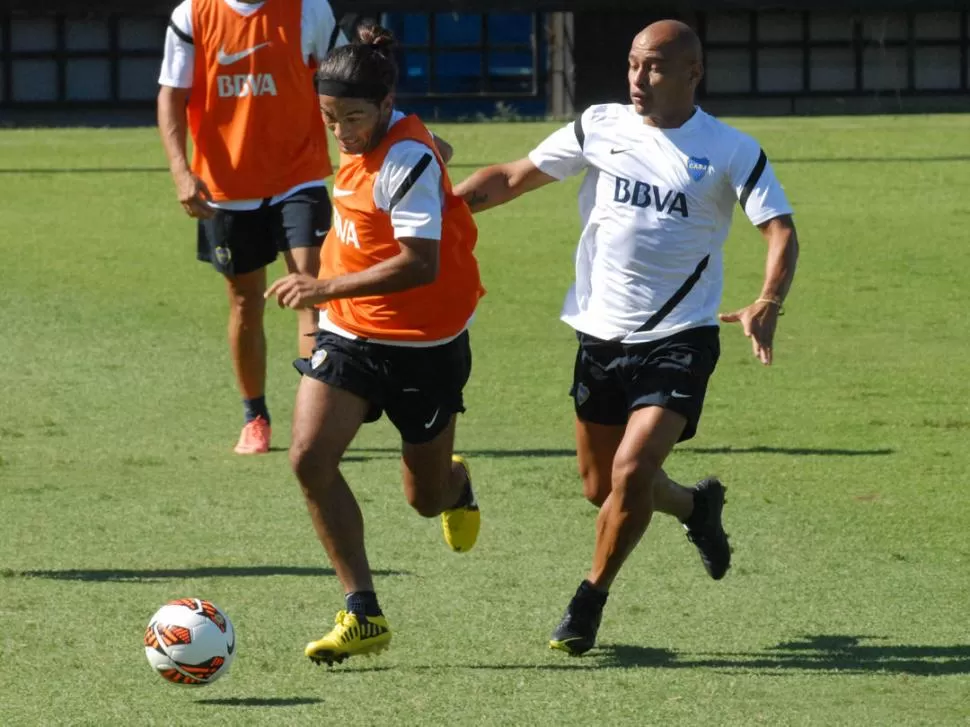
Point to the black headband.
(350, 89)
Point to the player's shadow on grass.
(160, 574)
(83, 170)
(363, 454)
(802, 451)
(802, 160)
(259, 701)
(822, 653)
(477, 165)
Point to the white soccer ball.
(190, 641)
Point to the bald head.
(675, 40)
(665, 69)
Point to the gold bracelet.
(774, 301)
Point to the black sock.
(588, 590)
(256, 408)
(467, 498)
(363, 603)
(699, 512)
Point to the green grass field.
(846, 463)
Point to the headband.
(350, 89)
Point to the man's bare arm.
(501, 183)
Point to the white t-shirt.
(656, 207)
(417, 214)
(318, 31)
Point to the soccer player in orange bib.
(238, 74)
(398, 286)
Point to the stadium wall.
(518, 58)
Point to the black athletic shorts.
(239, 242)
(419, 388)
(612, 379)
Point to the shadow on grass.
(364, 454)
(477, 165)
(825, 653)
(822, 654)
(260, 701)
(158, 574)
(818, 451)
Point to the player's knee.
(596, 488)
(247, 305)
(634, 477)
(311, 466)
(596, 495)
(425, 503)
(596, 484)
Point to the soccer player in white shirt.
(662, 179)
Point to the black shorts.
(612, 379)
(239, 242)
(419, 388)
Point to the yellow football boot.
(462, 524)
(353, 634)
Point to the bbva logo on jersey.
(642, 194)
(240, 85)
(346, 230)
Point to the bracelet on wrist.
(774, 301)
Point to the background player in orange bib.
(238, 74)
(398, 286)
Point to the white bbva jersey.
(656, 206)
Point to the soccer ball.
(190, 641)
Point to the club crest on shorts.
(582, 394)
(697, 167)
(318, 358)
(223, 255)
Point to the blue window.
(457, 29)
(487, 54)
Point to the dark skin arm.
(500, 183)
(415, 265)
(761, 317)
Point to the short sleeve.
(408, 188)
(320, 30)
(759, 192)
(178, 58)
(560, 154)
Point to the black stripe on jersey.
(180, 33)
(578, 129)
(404, 187)
(753, 178)
(333, 36)
(678, 296)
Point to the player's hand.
(193, 195)
(758, 321)
(297, 290)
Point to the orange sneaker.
(254, 438)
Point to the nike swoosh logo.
(618, 151)
(337, 192)
(678, 395)
(433, 419)
(320, 233)
(227, 59)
